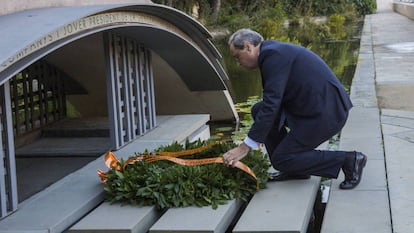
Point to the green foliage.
(270, 20)
(323, 7)
(336, 27)
(312, 8)
(307, 31)
(165, 184)
(266, 17)
(365, 7)
(285, 20)
(269, 27)
(235, 21)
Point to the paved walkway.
(393, 49)
(381, 125)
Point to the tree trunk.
(215, 8)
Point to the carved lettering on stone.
(87, 23)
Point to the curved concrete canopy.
(189, 63)
(180, 40)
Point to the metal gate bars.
(130, 83)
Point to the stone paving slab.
(398, 113)
(400, 171)
(352, 216)
(197, 219)
(391, 129)
(399, 92)
(405, 135)
(362, 123)
(104, 219)
(281, 207)
(374, 178)
(393, 46)
(371, 146)
(383, 34)
(398, 121)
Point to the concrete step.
(196, 219)
(116, 218)
(281, 207)
(134, 219)
(263, 213)
(62, 147)
(78, 127)
(74, 133)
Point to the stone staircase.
(281, 207)
(74, 204)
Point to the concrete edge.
(406, 9)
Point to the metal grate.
(130, 89)
(37, 97)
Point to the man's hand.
(235, 154)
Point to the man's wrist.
(251, 143)
(244, 145)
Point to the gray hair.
(242, 35)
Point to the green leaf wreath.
(166, 184)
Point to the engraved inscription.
(90, 22)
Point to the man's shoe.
(282, 176)
(352, 169)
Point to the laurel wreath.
(165, 184)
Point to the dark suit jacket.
(300, 90)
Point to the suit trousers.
(289, 155)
